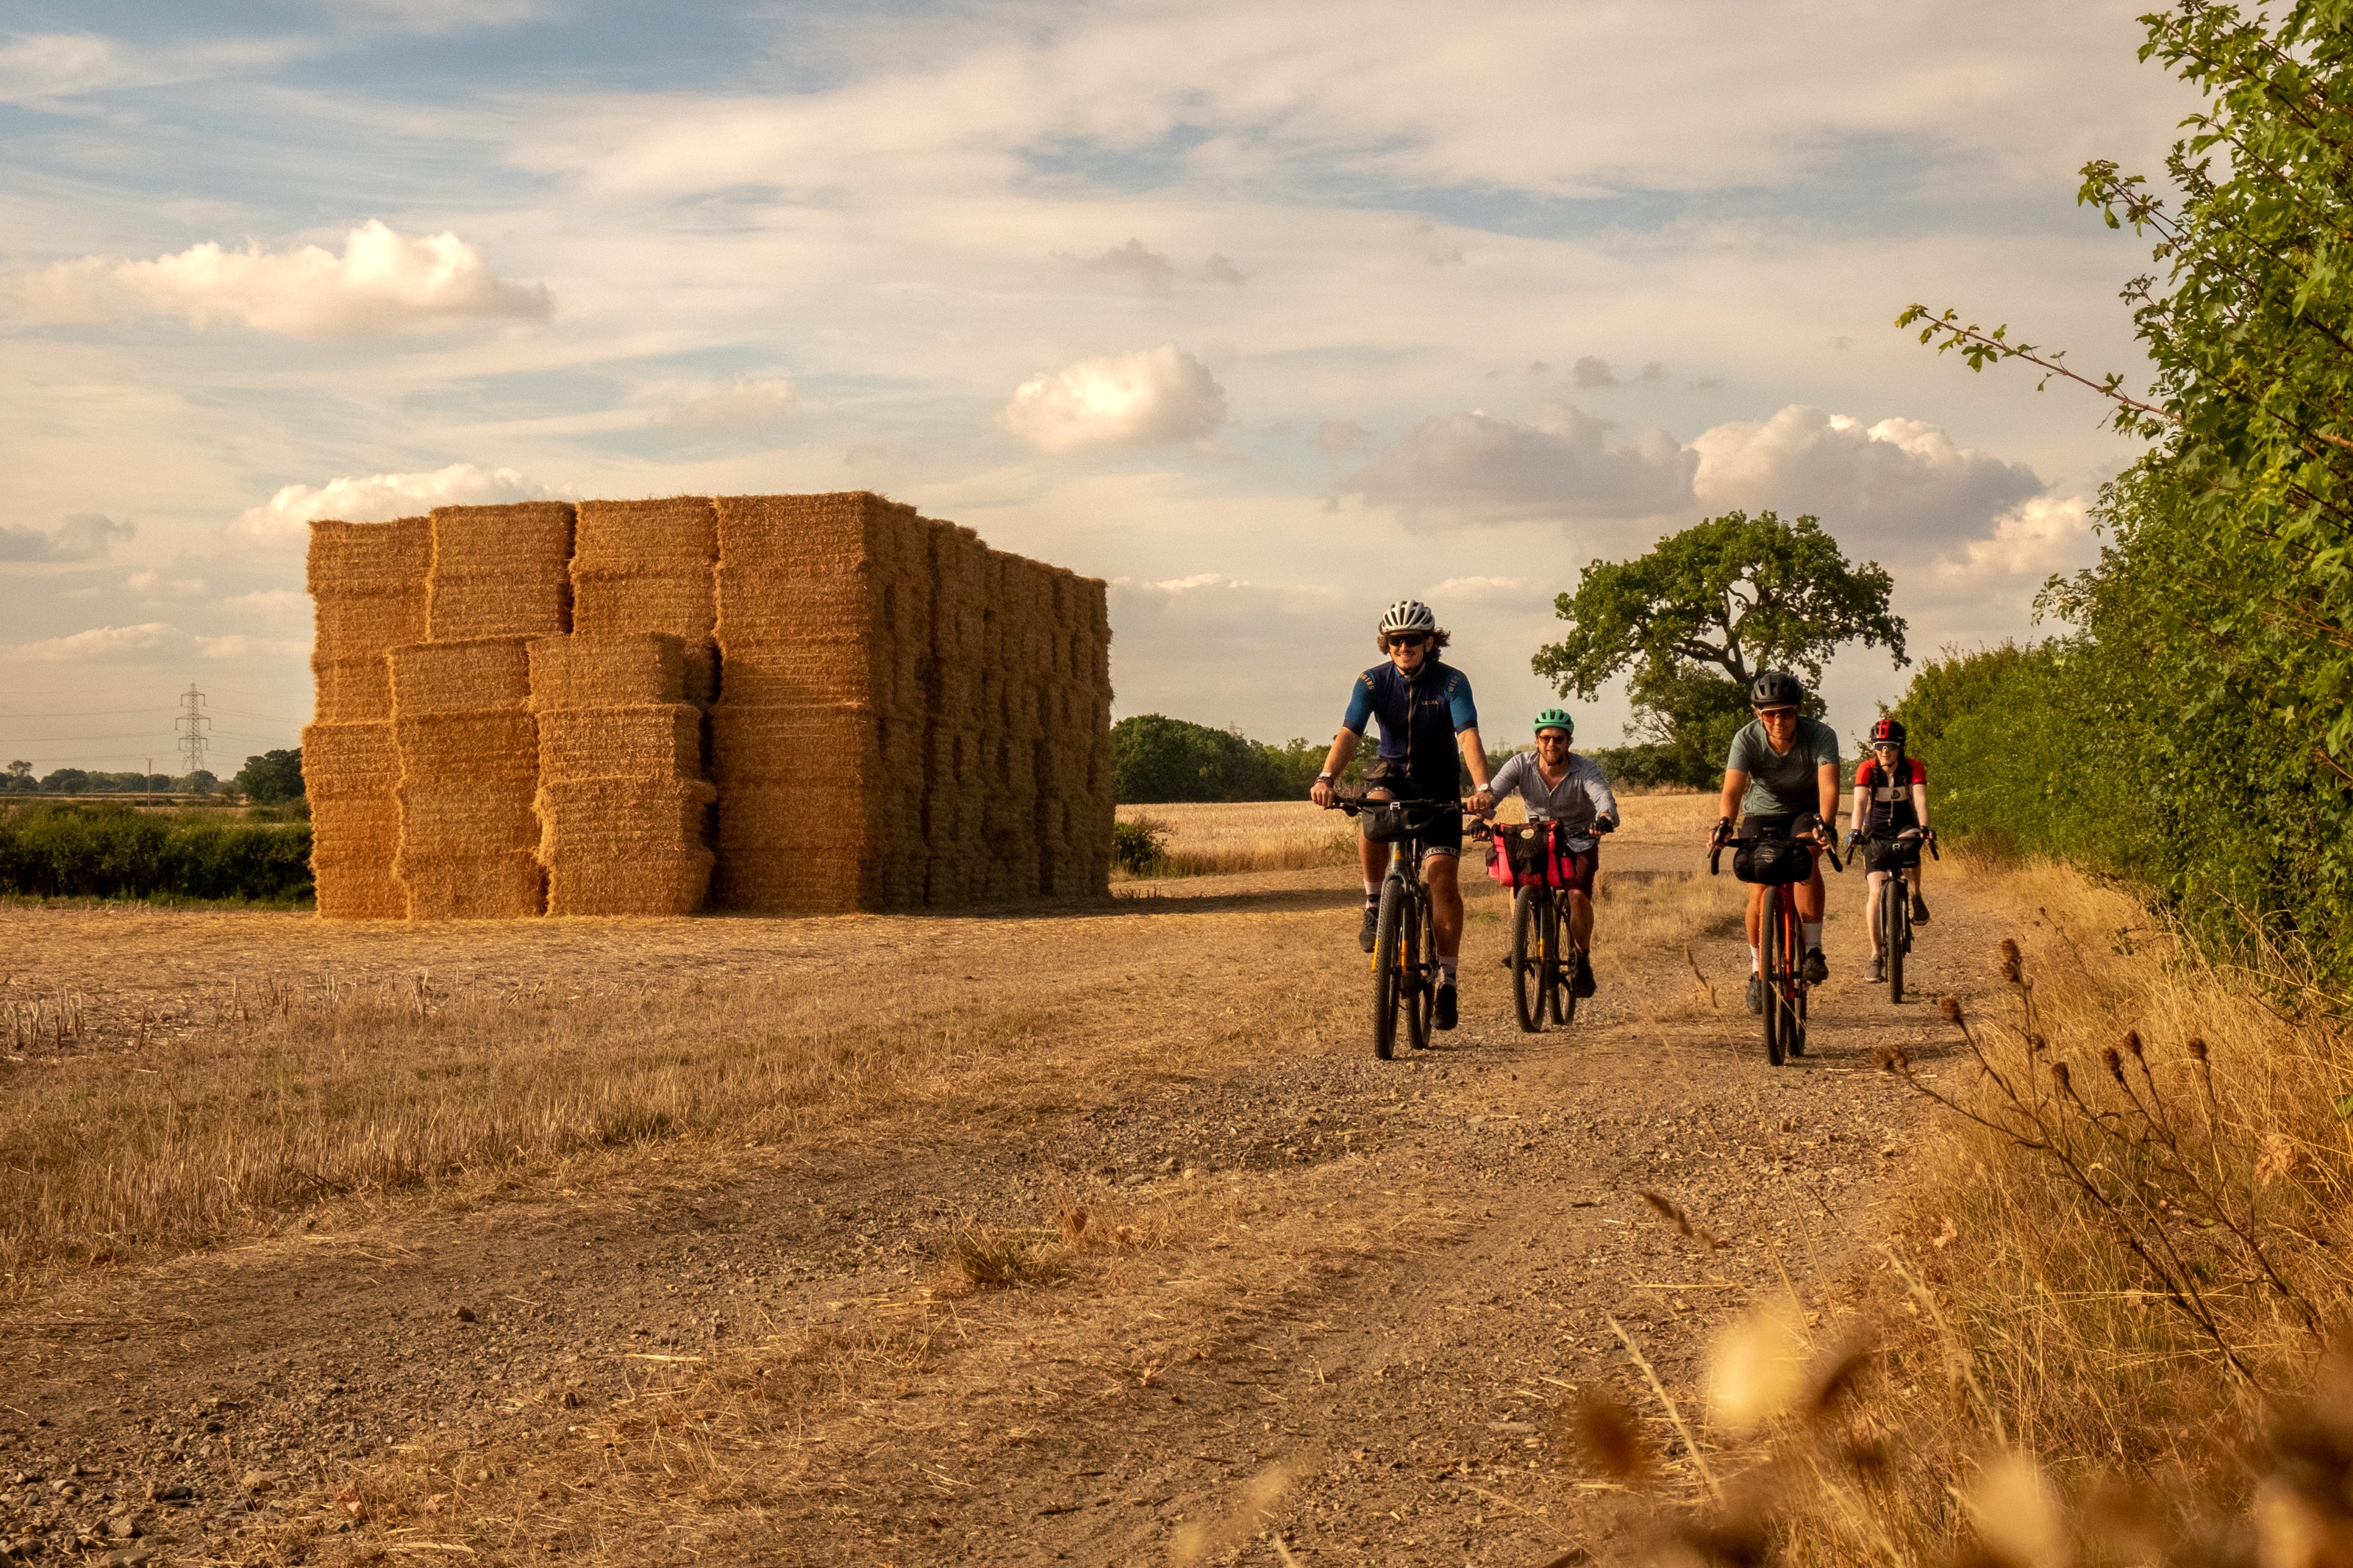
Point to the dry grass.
(1210, 841)
(2106, 1328)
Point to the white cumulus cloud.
(285, 517)
(383, 282)
(1142, 399)
(101, 643)
(754, 400)
(2030, 541)
(1479, 467)
(1893, 486)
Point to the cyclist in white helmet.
(1427, 721)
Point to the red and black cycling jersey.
(1887, 795)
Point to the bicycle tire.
(1769, 961)
(1387, 932)
(1416, 973)
(1892, 938)
(1793, 937)
(1527, 974)
(1561, 971)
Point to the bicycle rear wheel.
(1528, 961)
(1420, 986)
(1387, 940)
(1892, 938)
(1770, 959)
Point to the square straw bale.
(767, 609)
(364, 627)
(644, 740)
(853, 531)
(342, 762)
(444, 819)
(590, 671)
(480, 676)
(813, 744)
(518, 541)
(650, 536)
(473, 887)
(685, 608)
(356, 560)
(351, 690)
(360, 892)
(623, 818)
(473, 750)
(649, 885)
(761, 818)
(355, 830)
(805, 883)
(466, 608)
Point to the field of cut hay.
(1214, 839)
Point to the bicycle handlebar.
(1715, 851)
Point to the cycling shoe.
(1817, 968)
(1583, 985)
(1445, 1008)
(1755, 992)
(1919, 912)
(1875, 970)
(1372, 927)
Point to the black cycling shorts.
(1890, 854)
(1443, 834)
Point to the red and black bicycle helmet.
(1887, 732)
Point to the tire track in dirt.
(1382, 1281)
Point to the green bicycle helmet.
(1557, 718)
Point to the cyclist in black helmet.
(1782, 778)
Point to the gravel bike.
(1544, 957)
(1781, 949)
(1405, 958)
(1895, 910)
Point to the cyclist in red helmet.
(1891, 798)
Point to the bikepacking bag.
(1773, 861)
(1385, 821)
(1534, 855)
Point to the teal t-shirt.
(1782, 783)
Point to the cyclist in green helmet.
(1560, 787)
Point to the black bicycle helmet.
(1776, 688)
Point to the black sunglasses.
(1408, 639)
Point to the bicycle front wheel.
(1560, 964)
(1892, 938)
(1771, 960)
(1387, 939)
(1415, 973)
(1528, 961)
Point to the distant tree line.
(266, 779)
(112, 850)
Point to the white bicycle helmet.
(1408, 615)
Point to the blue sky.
(1268, 315)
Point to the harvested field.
(888, 1238)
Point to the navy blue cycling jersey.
(1420, 715)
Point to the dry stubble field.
(1095, 1234)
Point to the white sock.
(1445, 967)
(1756, 962)
(1813, 934)
(1372, 892)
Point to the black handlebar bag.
(1385, 821)
(1774, 862)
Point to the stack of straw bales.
(468, 750)
(824, 632)
(903, 716)
(500, 571)
(623, 804)
(367, 583)
(642, 566)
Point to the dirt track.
(1351, 1298)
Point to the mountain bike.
(1404, 957)
(1544, 957)
(1895, 911)
(1781, 949)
